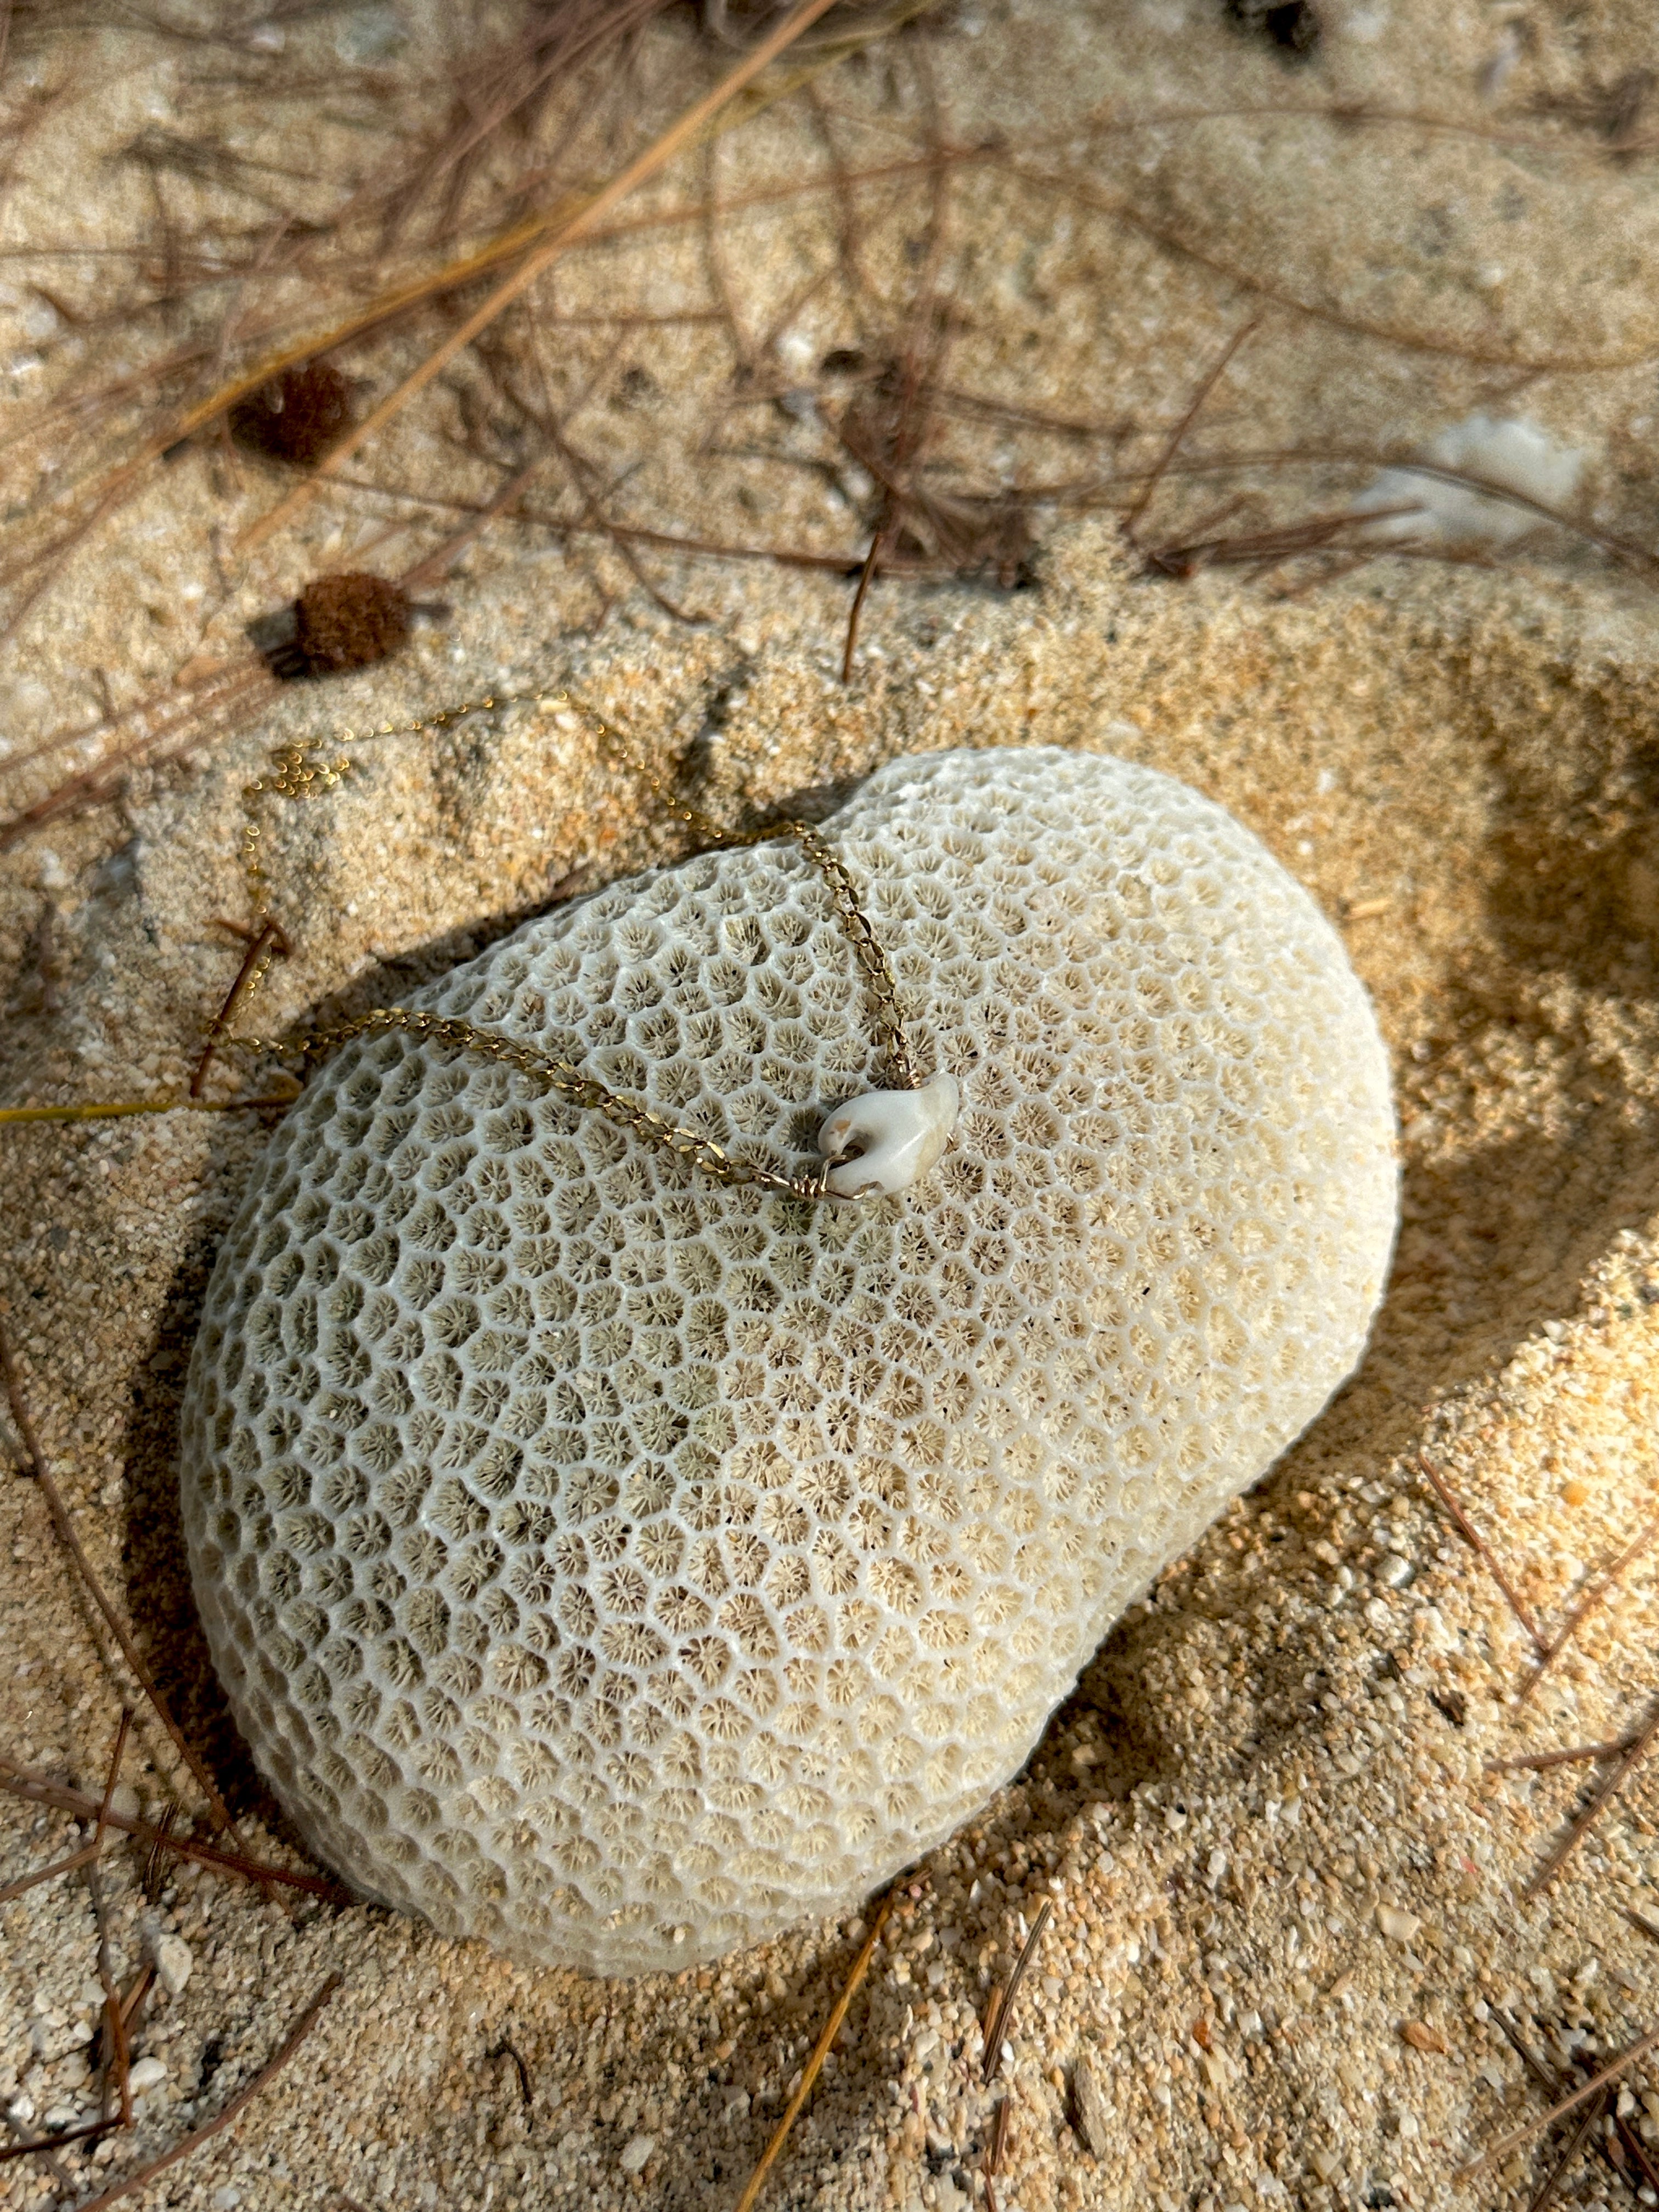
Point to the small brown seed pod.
(349, 621)
(296, 417)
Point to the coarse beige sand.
(1288, 1896)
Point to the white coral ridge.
(1512, 452)
(621, 1566)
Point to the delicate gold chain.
(296, 773)
(559, 1075)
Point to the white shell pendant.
(899, 1134)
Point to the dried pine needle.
(820, 2051)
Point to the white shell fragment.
(619, 1565)
(898, 1135)
(1412, 505)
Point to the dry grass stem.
(1176, 437)
(267, 943)
(118, 2058)
(38, 2145)
(996, 2149)
(1471, 1536)
(820, 2051)
(142, 2176)
(1649, 1928)
(1539, 360)
(1552, 2086)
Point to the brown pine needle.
(1173, 443)
(867, 577)
(1570, 2152)
(1606, 1790)
(996, 2150)
(1496, 2153)
(34, 2143)
(71, 1543)
(1536, 1761)
(39, 1790)
(267, 943)
(645, 165)
(1471, 1536)
(142, 2175)
(49, 1873)
(820, 2049)
(115, 1110)
(1005, 2011)
(1593, 1596)
(1550, 2085)
(118, 2058)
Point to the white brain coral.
(619, 1566)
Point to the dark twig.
(71, 1543)
(997, 2148)
(866, 576)
(1606, 1790)
(1649, 1928)
(997, 2035)
(1471, 1536)
(141, 2176)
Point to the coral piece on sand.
(621, 1566)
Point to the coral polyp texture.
(620, 1566)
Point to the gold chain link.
(560, 1075)
(296, 773)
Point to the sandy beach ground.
(1291, 1901)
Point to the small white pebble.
(172, 1957)
(147, 2074)
(634, 2156)
(1399, 1927)
(49, 871)
(1396, 1571)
